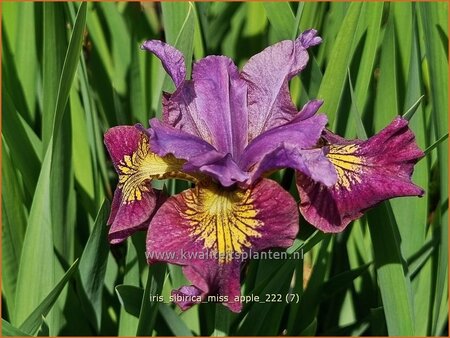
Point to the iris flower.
(225, 130)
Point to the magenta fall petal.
(369, 172)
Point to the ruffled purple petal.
(311, 162)
(213, 106)
(286, 147)
(187, 296)
(210, 231)
(218, 166)
(221, 99)
(171, 58)
(309, 38)
(200, 155)
(267, 75)
(165, 139)
(368, 172)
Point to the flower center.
(224, 220)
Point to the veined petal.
(210, 231)
(200, 155)
(213, 106)
(289, 146)
(134, 199)
(268, 74)
(368, 172)
(171, 58)
(126, 219)
(221, 97)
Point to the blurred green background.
(71, 71)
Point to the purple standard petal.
(368, 172)
(200, 156)
(171, 58)
(221, 97)
(134, 199)
(213, 106)
(211, 231)
(267, 75)
(286, 147)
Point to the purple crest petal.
(208, 230)
(267, 75)
(200, 155)
(165, 139)
(311, 162)
(218, 166)
(369, 172)
(285, 147)
(171, 58)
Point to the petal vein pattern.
(136, 170)
(223, 220)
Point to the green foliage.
(72, 70)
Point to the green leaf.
(38, 242)
(10, 331)
(372, 14)
(10, 78)
(93, 265)
(34, 320)
(309, 303)
(342, 281)
(413, 239)
(69, 68)
(54, 49)
(175, 323)
(26, 56)
(127, 322)
(281, 18)
(131, 298)
(257, 313)
(432, 15)
(121, 51)
(222, 321)
(392, 280)
(23, 154)
(37, 259)
(149, 308)
(13, 228)
(333, 80)
(387, 100)
(413, 109)
(82, 159)
(435, 144)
